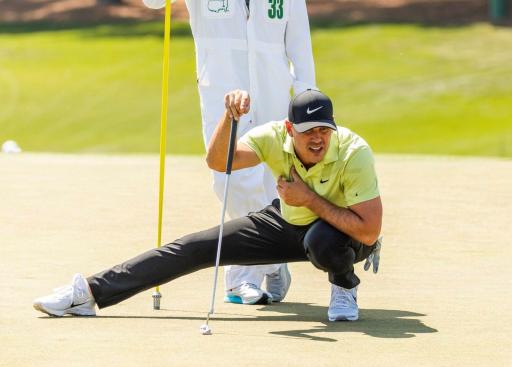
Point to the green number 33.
(276, 9)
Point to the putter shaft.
(229, 163)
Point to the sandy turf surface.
(443, 295)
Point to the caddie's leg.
(278, 281)
(261, 238)
(247, 193)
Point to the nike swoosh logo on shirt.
(312, 111)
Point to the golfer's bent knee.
(328, 249)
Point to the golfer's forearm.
(218, 147)
(343, 219)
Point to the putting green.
(442, 298)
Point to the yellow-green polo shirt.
(345, 176)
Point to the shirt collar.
(288, 144)
(332, 154)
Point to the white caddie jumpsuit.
(266, 50)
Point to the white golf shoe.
(74, 299)
(278, 283)
(343, 306)
(248, 294)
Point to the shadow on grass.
(378, 323)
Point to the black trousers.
(262, 237)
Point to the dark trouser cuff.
(347, 280)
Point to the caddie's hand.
(294, 192)
(237, 103)
(374, 257)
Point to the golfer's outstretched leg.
(261, 238)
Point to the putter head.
(205, 330)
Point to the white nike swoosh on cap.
(316, 109)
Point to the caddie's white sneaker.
(343, 306)
(75, 299)
(278, 283)
(248, 294)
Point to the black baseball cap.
(311, 109)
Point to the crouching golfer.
(330, 213)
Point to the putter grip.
(232, 143)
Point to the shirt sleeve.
(298, 47)
(360, 179)
(260, 140)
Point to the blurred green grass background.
(405, 88)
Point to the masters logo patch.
(218, 6)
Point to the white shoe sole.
(343, 318)
(265, 299)
(40, 307)
(80, 310)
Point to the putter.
(205, 329)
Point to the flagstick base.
(156, 300)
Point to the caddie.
(329, 213)
(263, 47)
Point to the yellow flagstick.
(163, 134)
